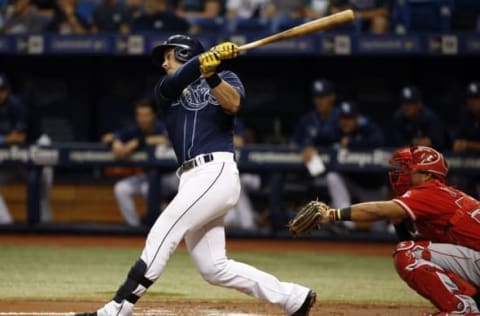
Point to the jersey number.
(476, 215)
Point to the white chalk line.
(148, 312)
(35, 314)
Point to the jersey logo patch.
(194, 99)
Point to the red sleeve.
(419, 203)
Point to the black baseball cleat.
(86, 314)
(304, 310)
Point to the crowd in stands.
(125, 16)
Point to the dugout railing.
(259, 159)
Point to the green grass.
(94, 273)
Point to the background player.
(441, 261)
(415, 124)
(200, 106)
(13, 126)
(467, 138)
(356, 131)
(147, 131)
(317, 129)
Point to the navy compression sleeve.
(172, 85)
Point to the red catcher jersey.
(443, 214)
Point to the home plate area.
(205, 308)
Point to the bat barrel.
(320, 24)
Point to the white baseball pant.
(197, 213)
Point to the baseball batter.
(200, 105)
(441, 261)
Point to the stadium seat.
(354, 27)
(241, 25)
(283, 24)
(85, 9)
(422, 15)
(208, 25)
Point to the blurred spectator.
(13, 126)
(110, 16)
(147, 131)
(315, 9)
(318, 129)
(293, 9)
(285, 13)
(133, 9)
(245, 9)
(206, 9)
(374, 13)
(66, 19)
(242, 215)
(415, 124)
(157, 17)
(356, 131)
(22, 17)
(246, 14)
(467, 137)
(203, 15)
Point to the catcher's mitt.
(308, 217)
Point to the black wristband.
(213, 81)
(343, 214)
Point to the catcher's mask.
(185, 47)
(415, 159)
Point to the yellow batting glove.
(227, 50)
(209, 62)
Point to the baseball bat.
(320, 24)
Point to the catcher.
(441, 260)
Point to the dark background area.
(78, 98)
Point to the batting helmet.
(415, 158)
(184, 46)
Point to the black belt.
(192, 163)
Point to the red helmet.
(415, 158)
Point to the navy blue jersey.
(195, 121)
(135, 132)
(428, 125)
(366, 136)
(311, 130)
(13, 116)
(469, 128)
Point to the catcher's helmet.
(415, 158)
(184, 46)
